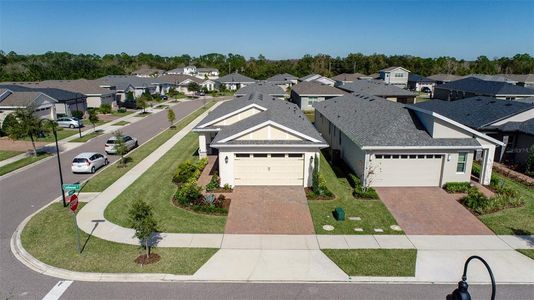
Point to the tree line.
(63, 65)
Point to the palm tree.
(28, 125)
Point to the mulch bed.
(198, 209)
(311, 196)
(144, 260)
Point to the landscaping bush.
(9, 121)
(189, 170)
(475, 200)
(105, 108)
(359, 190)
(480, 204)
(121, 110)
(214, 183)
(227, 187)
(353, 180)
(188, 193)
(475, 170)
(457, 187)
(77, 114)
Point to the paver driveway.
(269, 210)
(430, 210)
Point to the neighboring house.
(397, 76)
(418, 82)
(305, 94)
(444, 78)
(189, 70)
(147, 72)
(506, 121)
(391, 144)
(491, 78)
(285, 81)
(318, 78)
(526, 80)
(180, 83)
(207, 73)
(127, 83)
(260, 140)
(471, 87)
(380, 89)
(43, 104)
(348, 78)
(234, 81)
(66, 102)
(263, 87)
(94, 94)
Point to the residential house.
(122, 84)
(263, 87)
(444, 78)
(526, 80)
(306, 93)
(344, 78)
(207, 73)
(470, 87)
(418, 83)
(397, 76)
(95, 95)
(380, 89)
(147, 72)
(507, 121)
(260, 140)
(189, 70)
(181, 83)
(318, 78)
(491, 78)
(234, 81)
(285, 81)
(392, 144)
(43, 105)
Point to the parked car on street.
(131, 104)
(69, 122)
(88, 162)
(129, 142)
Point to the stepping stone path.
(358, 229)
(328, 227)
(379, 230)
(395, 227)
(355, 218)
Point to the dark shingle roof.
(123, 81)
(235, 77)
(315, 88)
(20, 99)
(376, 88)
(57, 94)
(372, 121)
(483, 87)
(348, 77)
(261, 87)
(418, 78)
(476, 112)
(444, 77)
(281, 78)
(523, 127)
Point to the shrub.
(105, 108)
(9, 121)
(475, 200)
(214, 183)
(189, 170)
(353, 180)
(457, 187)
(227, 187)
(122, 110)
(368, 193)
(475, 170)
(188, 193)
(77, 114)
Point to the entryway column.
(202, 145)
(487, 165)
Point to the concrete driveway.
(269, 210)
(430, 210)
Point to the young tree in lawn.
(143, 222)
(171, 116)
(316, 188)
(141, 102)
(27, 125)
(93, 118)
(120, 147)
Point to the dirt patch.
(7, 144)
(146, 260)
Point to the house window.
(399, 75)
(312, 99)
(278, 155)
(462, 161)
(420, 156)
(241, 155)
(295, 155)
(378, 156)
(260, 154)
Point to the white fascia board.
(420, 147)
(205, 130)
(321, 95)
(450, 121)
(235, 112)
(254, 128)
(269, 145)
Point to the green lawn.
(373, 213)
(110, 174)
(517, 221)
(8, 154)
(527, 252)
(42, 239)
(119, 114)
(156, 187)
(22, 163)
(374, 262)
(61, 134)
(87, 137)
(121, 123)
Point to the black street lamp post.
(54, 131)
(461, 292)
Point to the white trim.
(254, 128)
(420, 147)
(268, 145)
(320, 95)
(206, 130)
(396, 68)
(235, 112)
(443, 118)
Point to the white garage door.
(269, 169)
(407, 170)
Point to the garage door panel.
(407, 172)
(269, 171)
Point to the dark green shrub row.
(105, 108)
(506, 198)
(457, 187)
(189, 170)
(359, 190)
(214, 183)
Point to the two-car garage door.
(407, 170)
(269, 169)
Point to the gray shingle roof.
(20, 99)
(57, 94)
(418, 78)
(525, 78)
(235, 78)
(376, 88)
(123, 81)
(444, 77)
(175, 79)
(304, 78)
(523, 127)
(491, 78)
(372, 121)
(487, 88)
(315, 88)
(261, 87)
(476, 112)
(348, 77)
(280, 78)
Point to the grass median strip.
(8, 154)
(374, 262)
(155, 186)
(121, 123)
(50, 237)
(373, 213)
(23, 162)
(109, 175)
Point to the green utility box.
(339, 214)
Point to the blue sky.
(276, 29)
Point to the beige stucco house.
(305, 94)
(397, 76)
(391, 144)
(260, 140)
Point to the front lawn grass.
(62, 133)
(50, 237)
(122, 114)
(87, 137)
(155, 186)
(121, 123)
(8, 154)
(110, 174)
(517, 221)
(374, 262)
(373, 213)
(23, 162)
(527, 252)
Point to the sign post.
(73, 205)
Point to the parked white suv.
(69, 122)
(129, 142)
(88, 162)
